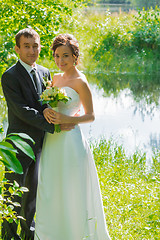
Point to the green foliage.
(130, 191)
(45, 16)
(7, 204)
(146, 33)
(120, 58)
(10, 161)
(137, 33)
(8, 152)
(111, 33)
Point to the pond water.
(125, 121)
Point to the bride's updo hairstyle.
(66, 40)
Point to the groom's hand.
(67, 126)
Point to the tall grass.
(130, 192)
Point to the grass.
(130, 193)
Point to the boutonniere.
(46, 81)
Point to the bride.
(69, 203)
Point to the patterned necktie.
(36, 81)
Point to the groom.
(22, 85)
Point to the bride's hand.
(48, 114)
(59, 118)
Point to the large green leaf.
(22, 135)
(10, 160)
(22, 145)
(4, 161)
(7, 146)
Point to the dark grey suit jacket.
(25, 111)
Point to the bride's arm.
(86, 100)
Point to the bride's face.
(64, 58)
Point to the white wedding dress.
(69, 204)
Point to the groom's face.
(29, 49)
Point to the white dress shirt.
(29, 69)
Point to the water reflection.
(155, 140)
(125, 120)
(145, 88)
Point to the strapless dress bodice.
(72, 106)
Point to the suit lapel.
(24, 75)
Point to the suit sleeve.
(16, 102)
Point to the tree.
(45, 16)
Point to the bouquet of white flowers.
(52, 96)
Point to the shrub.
(9, 160)
(147, 29)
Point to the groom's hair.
(26, 32)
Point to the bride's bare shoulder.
(82, 82)
(82, 76)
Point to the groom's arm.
(19, 106)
